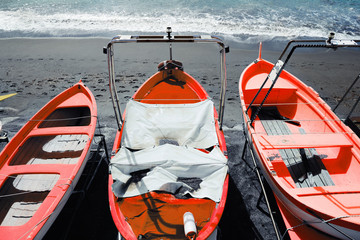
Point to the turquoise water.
(239, 20)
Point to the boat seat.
(51, 149)
(294, 141)
(149, 125)
(282, 91)
(302, 161)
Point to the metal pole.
(353, 108)
(223, 86)
(166, 39)
(112, 86)
(256, 95)
(346, 93)
(170, 51)
(265, 196)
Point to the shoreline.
(42, 68)
(37, 69)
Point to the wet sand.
(39, 69)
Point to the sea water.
(237, 20)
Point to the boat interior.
(290, 116)
(43, 159)
(156, 213)
(68, 116)
(171, 85)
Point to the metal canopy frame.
(109, 50)
(279, 66)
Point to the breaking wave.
(235, 20)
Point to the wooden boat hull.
(42, 163)
(168, 222)
(307, 155)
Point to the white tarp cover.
(187, 124)
(164, 166)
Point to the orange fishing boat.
(42, 163)
(168, 174)
(308, 156)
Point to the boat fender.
(189, 226)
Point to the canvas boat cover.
(146, 125)
(174, 169)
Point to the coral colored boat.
(168, 176)
(42, 163)
(308, 156)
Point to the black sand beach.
(39, 69)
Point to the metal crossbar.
(164, 39)
(329, 43)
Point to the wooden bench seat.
(295, 141)
(298, 151)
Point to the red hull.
(308, 156)
(42, 163)
(157, 91)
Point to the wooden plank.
(318, 164)
(24, 195)
(304, 164)
(296, 169)
(291, 157)
(60, 149)
(311, 169)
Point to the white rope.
(321, 221)
(61, 119)
(284, 104)
(29, 192)
(265, 133)
(17, 194)
(46, 217)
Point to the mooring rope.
(37, 224)
(321, 221)
(61, 119)
(36, 191)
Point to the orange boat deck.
(160, 215)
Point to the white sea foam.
(243, 24)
